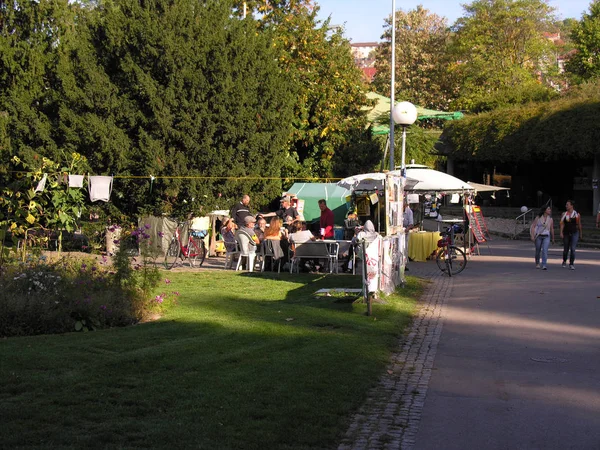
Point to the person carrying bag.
(541, 231)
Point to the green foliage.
(362, 154)
(422, 59)
(499, 47)
(181, 92)
(329, 88)
(41, 296)
(545, 131)
(584, 64)
(57, 207)
(30, 36)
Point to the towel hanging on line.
(76, 181)
(42, 184)
(100, 188)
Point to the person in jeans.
(542, 231)
(570, 232)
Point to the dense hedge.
(546, 131)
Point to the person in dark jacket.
(240, 211)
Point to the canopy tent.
(311, 193)
(382, 108)
(370, 182)
(430, 180)
(487, 188)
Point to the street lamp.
(404, 114)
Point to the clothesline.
(194, 177)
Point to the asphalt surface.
(517, 364)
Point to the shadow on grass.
(246, 361)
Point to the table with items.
(422, 244)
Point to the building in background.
(364, 58)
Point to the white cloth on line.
(100, 188)
(412, 198)
(42, 184)
(76, 181)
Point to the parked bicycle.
(193, 248)
(450, 258)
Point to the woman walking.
(570, 232)
(542, 230)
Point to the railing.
(524, 216)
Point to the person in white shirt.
(408, 221)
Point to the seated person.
(261, 226)
(276, 232)
(301, 236)
(350, 223)
(248, 231)
(367, 233)
(228, 234)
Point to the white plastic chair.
(230, 256)
(247, 251)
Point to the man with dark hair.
(327, 221)
(240, 211)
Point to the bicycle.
(450, 258)
(194, 248)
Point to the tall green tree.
(499, 50)
(329, 88)
(30, 34)
(180, 91)
(422, 59)
(584, 64)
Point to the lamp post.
(405, 114)
(393, 86)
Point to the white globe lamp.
(524, 209)
(404, 113)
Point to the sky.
(364, 19)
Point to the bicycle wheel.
(440, 259)
(172, 254)
(457, 260)
(196, 251)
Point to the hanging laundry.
(100, 188)
(42, 184)
(76, 181)
(412, 198)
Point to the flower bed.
(41, 296)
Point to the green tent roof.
(311, 193)
(382, 110)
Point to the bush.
(68, 294)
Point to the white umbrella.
(430, 180)
(363, 182)
(487, 188)
(370, 182)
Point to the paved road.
(502, 356)
(518, 361)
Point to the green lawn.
(246, 361)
